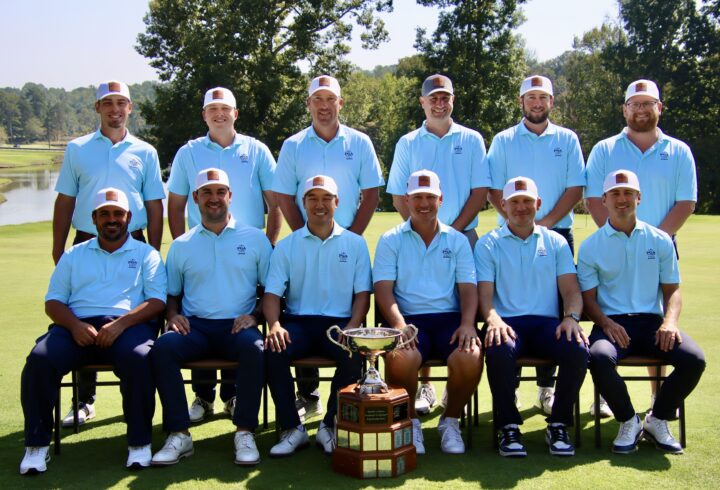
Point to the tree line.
(267, 51)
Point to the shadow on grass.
(94, 460)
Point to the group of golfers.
(110, 294)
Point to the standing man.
(110, 156)
(250, 167)
(457, 155)
(101, 297)
(328, 148)
(424, 275)
(521, 267)
(551, 156)
(213, 275)
(324, 272)
(664, 165)
(631, 288)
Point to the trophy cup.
(373, 431)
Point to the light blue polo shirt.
(349, 158)
(666, 172)
(93, 282)
(553, 160)
(320, 277)
(628, 271)
(458, 158)
(426, 278)
(250, 167)
(525, 272)
(218, 275)
(92, 162)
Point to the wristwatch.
(574, 316)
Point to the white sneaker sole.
(186, 454)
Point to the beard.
(644, 126)
(536, 118)
(112, 235)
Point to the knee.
(575, 354)
(694, 361)
(135, 358)
(465, 362)
(603, 355)
(164, 348)
(502, 354)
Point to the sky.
(76, 43)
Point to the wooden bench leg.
(75, 403)
(56, 435)
(682, 423)
(596, 398)
(578, 438)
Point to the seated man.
(101, 297)
(424, 275)
(629, 276)
(213, 275)
(520, 268)
(323, 270)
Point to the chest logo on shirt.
(132, 264)
(241, 249)
(651, 254)
(134, 162)
(664, 155)
(244, 158)
(542, 252)
(557, 151)
(457, 149)
(342, 257)
(348, 155)
(446, 253)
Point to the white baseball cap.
(324, 82)
(219, 95)
(211, 176)
(520, 186)
(642, 87)
(112, 87)
(621, 178)
(423, 181)
(437, 83)
(536, 82)
(321, 182)
(111, 196)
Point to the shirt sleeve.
(285, 178)
(480, 171)
(152, 187)
(464, 265)
(484, 262)
(596, 170)
(497, 163)
(67, 182)
(279, 270)
(264, 262)
(363, 273)
(669, 271)
(400, 168)
(154, 276)
(174, 273)
(587, 272)
(686, 189)
(385, 267)
(266, 166)
(370, 172)
(564, 263)
(179, 181)
(576, 164)
(60, 288)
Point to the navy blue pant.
(536, 337)
(203, 384)
(56, 354)
(308, 337)
(687, 360)
(434, 333)
(209, 338)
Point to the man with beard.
(250, 168)
(214, 271)
(629, 276)
(664, 165)
(457, 155)
(110, 155)
(346, 155)
(101, 296)
(551, 156)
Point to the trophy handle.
(402, 343)
(339, 344)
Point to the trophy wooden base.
(374, 434)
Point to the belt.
(82, 236)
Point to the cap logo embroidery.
(640, 87)
(114, 87)
(536, 82)
(318, 181)
(424, 181)
(111, 196)
(324, 82)
(621, 179)
(217, 94)
(520, 185)
(438, 82)
(213, 175)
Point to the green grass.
(26, 158)
(94, 458)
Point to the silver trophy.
(371, 342)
